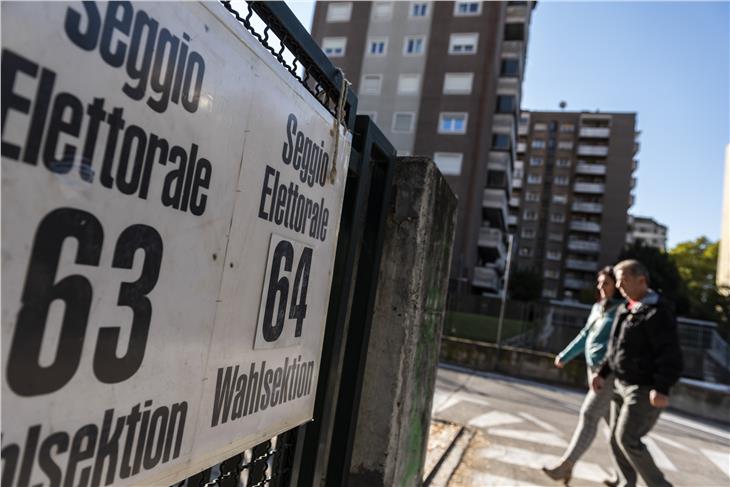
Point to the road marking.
(661, 460)
(669, 442)
(539, 437)
(606, 430)
(525, 458)
(494, 418)
(486, 480)
(542, 424)
(444, 400)
(719, 458)
(722, 433)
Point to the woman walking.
(593, 341)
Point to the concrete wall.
(395, 410)
(689, 397)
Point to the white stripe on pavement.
(525, 458)
(670, 442)
(486, 480)
(542, 424)
(661, 460)
(494, 418)
(719, 458)
(539, 437)
(722, 433)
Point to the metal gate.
(321, 450)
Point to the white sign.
(170, 215)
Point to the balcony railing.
(521, 147)
(584, 246)
(581, 265)
(512, 220)
(604, 132)
(578, 284)
(598, 169)
(492, 238)
(486, 278)
(516, 183)
(592, 150)
(496, 201)
(588, 207)
(517, 13)
(594, 188)
(514, 201)
(583, 226)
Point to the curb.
(446, 466)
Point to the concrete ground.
(520, 426)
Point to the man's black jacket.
(644, 345)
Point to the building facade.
(646, 231)
(443, 79)
(723, 258)
(573, 182)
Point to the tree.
(663, 274)
(525, 285)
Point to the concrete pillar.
(395, 410)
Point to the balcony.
(577, 284)
(517, 183)
(633, 183)
(597, 169)
(494, 205)
(517, 13)
(486, 278)
(512, 220)
(513, 47)
(584, 226)
(595, 132)
(580, 207)
(501, 161)
(492, 241)
(593, 188)
(514, 201)
(592, 150)
(521, 147)
(635, 165)
(586, 246)
(581, 265)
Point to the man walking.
(646, 359)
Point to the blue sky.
(667, 61)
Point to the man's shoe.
(561, 472)
(610, 483)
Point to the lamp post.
(502, 306)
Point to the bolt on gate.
(321, 449)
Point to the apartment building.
(646, 231)
(573, 182)
(443, 79)
(723, 258)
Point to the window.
(514, 31)
(334, 46)
(501, 141)
(448, 162)
(409, 84)
(458, 83)
(563, 163)
(462, 9)
(565, 145)
(414, 45)
(553, 255)
(463, 43)
(377, 46)
(552, 274)
(529, 215)
(536, 161)
(510, 68)
(403, 122)
(339, 12)
(532, 196)
(525, 252)
(382, 10)
(371, 84)
(539, 127)
(567, 128)
(506, 104)
(538, 144)
(452, 123)
(534, 178)
(528, 233)
(561, 180)
(555, 237)
(560, 199)
(557, 217)
(419, 9)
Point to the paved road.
(523, 425)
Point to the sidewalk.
(492, 430)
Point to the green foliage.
(525, 285)
(663, 274)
